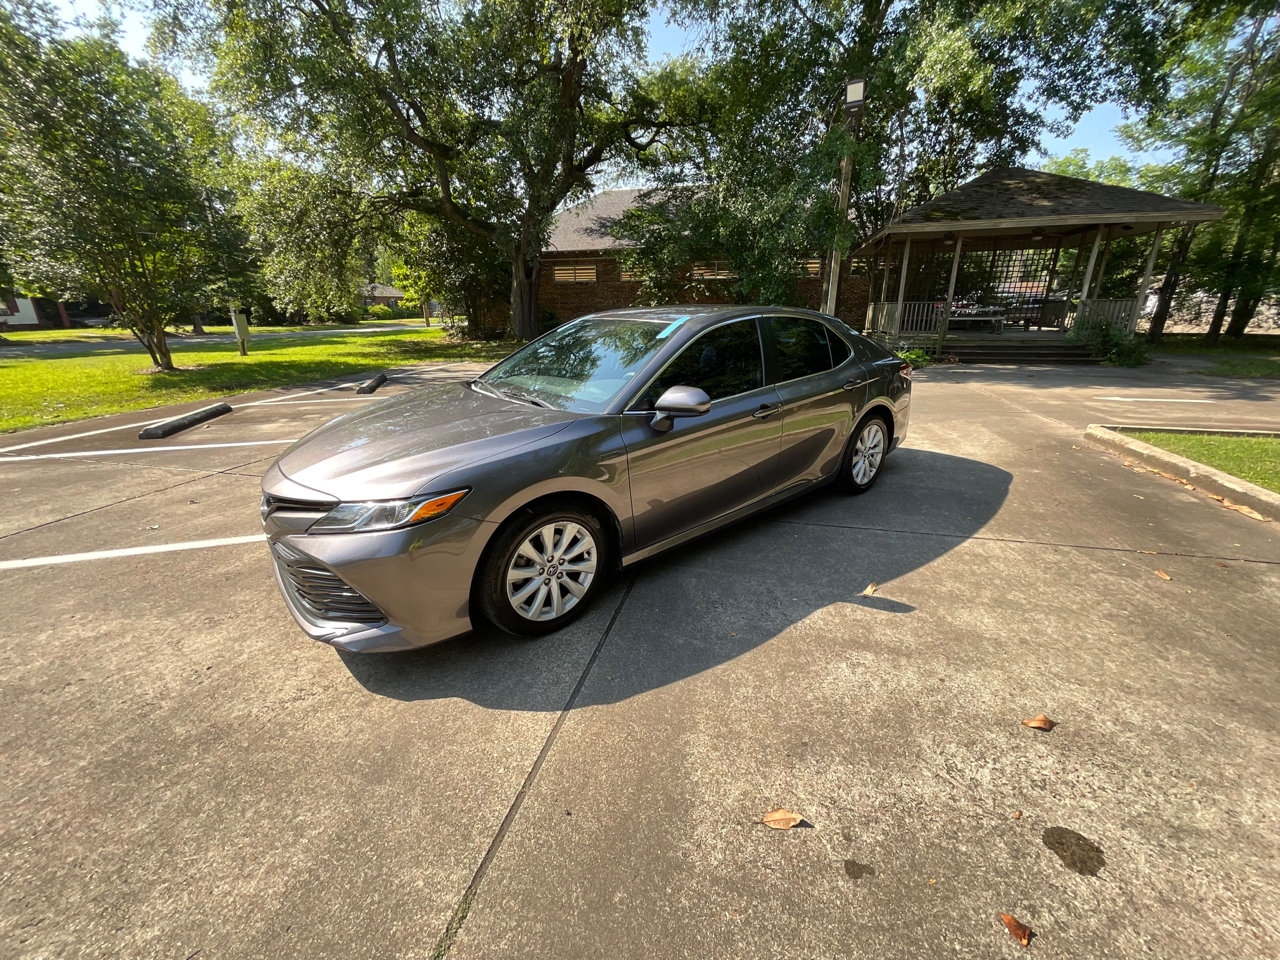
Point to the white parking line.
(77, 436)
(285, 403)
(301, 393)
(1151, 400)
(128, 552)
(126, 450)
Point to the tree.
(953, 87)
(486, 115)
(442, 262)
(314, 233)
(1223, 121)
(103, 179)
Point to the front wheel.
(865, 453)
(543, 572)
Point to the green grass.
(1193, 344)
(86, 335)
(95, 334)
(1256, 459)
(39, 391)
(1253, 355)
(1267, 368)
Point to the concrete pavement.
(185, 771)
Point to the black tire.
(858, 470)
(558, 585)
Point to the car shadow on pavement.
(709, 602)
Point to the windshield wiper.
(508, 394)
(525, 398)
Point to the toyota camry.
(611, 438)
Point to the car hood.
(398, 447)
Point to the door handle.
(855, 384)
(767, 410)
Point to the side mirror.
(679, 402)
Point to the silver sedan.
(610, 439)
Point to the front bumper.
(415, 583)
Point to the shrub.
(915, 356)
(1114, 346)
(379, 312)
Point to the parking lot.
(188, 775)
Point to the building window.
(574, 273)
(627, 273)
(713, 270)
(809, 268)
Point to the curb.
(1216, 483)
(169, 427)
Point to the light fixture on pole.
(855, 96)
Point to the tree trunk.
(524, 292)
(1246, 306)
(151, 335)
(1219, 313)
(1164, 302)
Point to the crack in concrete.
(459, 916)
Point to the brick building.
(581, 274)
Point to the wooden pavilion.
(1012, 248)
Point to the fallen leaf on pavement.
(1247, 511)
(1162, 575)
(1017, 814)
(1018, 930)
(1224, 565)
(1040, 722)
(1150, 553)
(871, 589)
(781, 819)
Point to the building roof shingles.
(585, 226)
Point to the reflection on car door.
(821, 387)
(704, 467)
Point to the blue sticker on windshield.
(671, 327)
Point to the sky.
(1095, 131)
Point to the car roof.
(695, 317)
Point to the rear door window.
(805, 347)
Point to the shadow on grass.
(267, 369)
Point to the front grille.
(273, 504)
(320, 592)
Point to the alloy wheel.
(868, 452)
(551, 571)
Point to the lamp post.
(854, 99)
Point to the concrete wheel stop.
(168, 428)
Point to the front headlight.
(366, 515)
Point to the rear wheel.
(543, 571)
(865, 453)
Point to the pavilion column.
(1088, 274)
(1146, 281)
(902, 285)
(1102, 267)
(951, 293)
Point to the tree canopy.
(486, 115)
(105, 180)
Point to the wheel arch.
(580, 499)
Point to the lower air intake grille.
(320, 592)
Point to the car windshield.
(580, 366)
